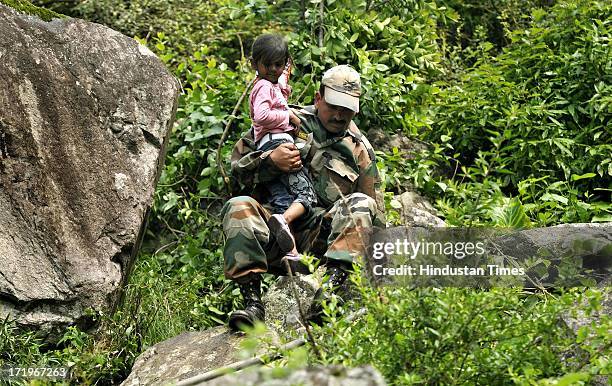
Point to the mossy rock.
(28, 8)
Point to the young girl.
(291, 195)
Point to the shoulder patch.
(302, 135)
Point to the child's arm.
(263, 114)
(283, 81)
(288, 68)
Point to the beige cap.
(342, 87)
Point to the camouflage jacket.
(343, 163)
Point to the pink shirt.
(268, 104)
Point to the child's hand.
(288, 67)
(294, 120)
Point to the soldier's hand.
(286, 157)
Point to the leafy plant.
(461, 336)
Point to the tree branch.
(230, 119)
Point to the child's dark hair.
(270, 48)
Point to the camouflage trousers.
(340, 233)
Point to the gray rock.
(314, 376)
(560, 256)
(589, 245)
(194, 353)
(187, 355)
(84, 117)
(417, 211)
(385, 142)
(282, 311)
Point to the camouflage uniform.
(346, 180)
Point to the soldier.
(342, 165)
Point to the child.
(292, 194)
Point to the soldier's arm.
(370, 184)
(369, 180)
(250, 166)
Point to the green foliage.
(395, 53)
(528, 126)
(28, 8)
(17, 347)
(488, 21)
(547, 88)
(88, 361)
(463, 336)
(156, 306)
(538, 113)
(191, 24)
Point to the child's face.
(271, 71)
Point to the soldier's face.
(334, 118)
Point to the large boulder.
(186, 355)
(194, 353)
(84, 117)
(588, 246)
(558, 256)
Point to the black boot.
(336, 276)
(253, 307)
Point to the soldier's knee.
(361, 202)
(242, 201)
(236, 204)
(243, 217)
(357, 205)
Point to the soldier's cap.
(342, 87)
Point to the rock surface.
(282, 311)
(185, 356)
(84, 117)
(385, 142)
(194, 353)
(588, 244)
(559, 256)
(315, 376)
(417, 211)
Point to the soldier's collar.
(307, 110)
(331, 138)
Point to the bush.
(530, 123)
(502, 336)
